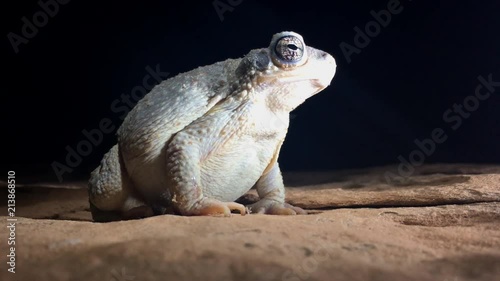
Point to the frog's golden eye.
(289, 49)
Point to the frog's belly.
(229, 175)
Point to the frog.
(200, 140)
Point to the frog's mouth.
(318, 74)
(319, 83)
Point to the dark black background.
(395, 91)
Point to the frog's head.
(288, 72)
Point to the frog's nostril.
(327, 57)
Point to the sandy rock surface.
(442, 223)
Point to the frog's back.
(171, 106)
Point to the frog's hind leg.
(111, 192)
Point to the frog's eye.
(288, 50)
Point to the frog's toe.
(213, 207)
(271, 207)
(298, 210)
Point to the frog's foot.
(213, 207)
(272, 207)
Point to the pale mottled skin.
(200, 140)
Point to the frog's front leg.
(184, 155)
(271, 190)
